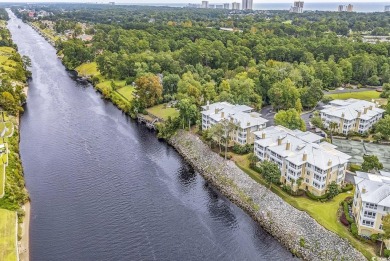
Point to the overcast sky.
(193, 1)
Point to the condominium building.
(371, 201)
(351, 115)
(349, 8)
(297, 8)
(387, 8)
(246, 120)
(226, 6)
(247, 4)
(301, 156)
(235, 6)
(205, 4)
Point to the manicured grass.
(366, 95)
(8, 251)
(127, 92)
(162, 112)
(88, 69)
(324, 213)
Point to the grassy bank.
(8, 251)
(163, 112)
(324, 213)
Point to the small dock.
(149, 121)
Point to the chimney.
(359, 114)
(263, 135)
(329, 162)
(223, 115)
(280, 140)
(216, 111)
(288, 145)
(370, 108)
(304, 157)
(208, 105)
(365, 110)
(248, 124)
(363, 190)
(342, 115)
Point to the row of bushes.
(241, 150)
(346, 212)
(289, 191)
(322, 198)
(348, 187)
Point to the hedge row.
(346, 212)
(314, 197)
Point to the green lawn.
(8, 251)
(127, 92)
(88, 69)
(324, 213)
(161, 112)
(365, 95)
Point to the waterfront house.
(303, 158)
(371, 201)
(245, 119)
(351, 115)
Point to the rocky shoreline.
(295, 229)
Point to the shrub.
(346, 212)
(241, 150)
(344, 220)
(354, 230)
(374, 237)
(347, 187)
(228, 155)
(355, 167)
(302, 242)
(314, 197)
(387, 253)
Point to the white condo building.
(371, 201)
(246, 120)
(247, 4)
(351, 115)
(301, 155)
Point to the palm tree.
(332, 127)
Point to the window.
(307, 180)
(368, 223)
(369, 214)
(381, 227)
(371, 205)
(386, 209)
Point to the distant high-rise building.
(205, 4)
(387, 8)
(219, 6)
(297, 8)
(236, 6)
(350, 8)
(341, 8)
(211, 7)
(226, 6)
(247, 4)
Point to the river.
(103, 187)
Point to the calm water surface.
(104, 188)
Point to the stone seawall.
(295, 229)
